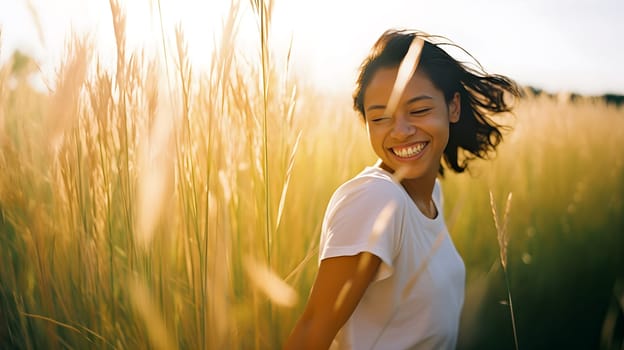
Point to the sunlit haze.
(554, 45)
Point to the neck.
(421, 190)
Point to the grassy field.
(150, 208)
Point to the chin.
(405, 172)
(411, 172)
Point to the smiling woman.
(126, 223)
(389, 275)
(419, 128)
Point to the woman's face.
(414, 137)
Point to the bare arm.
(329, 306)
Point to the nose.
(402, 128)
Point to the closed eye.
(380, 118)
(420, 111)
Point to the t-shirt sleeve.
(364, 217)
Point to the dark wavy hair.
(475, 135)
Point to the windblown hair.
(475, 135)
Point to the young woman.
(389, 275)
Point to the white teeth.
(411, 151)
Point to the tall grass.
(565, 242)
(503, 242)
(141, 212)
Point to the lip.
(416, 156)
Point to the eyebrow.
(411, 100)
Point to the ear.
(454, 108)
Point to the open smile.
(410, 151)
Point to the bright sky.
(571, 45)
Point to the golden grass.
(502, 234)
(140, 208)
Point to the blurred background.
(165, 167)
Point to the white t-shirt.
(395, 312)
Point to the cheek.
(375, 137)
(444, 134)
(440, 128)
